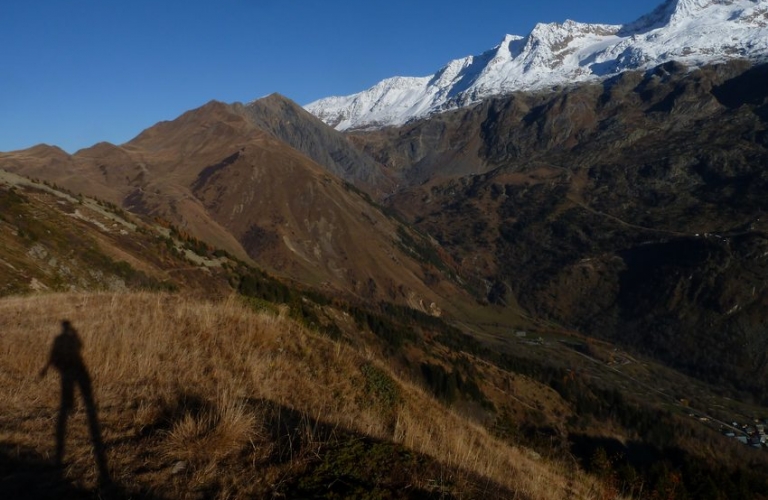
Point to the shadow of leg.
(67, 401)
(99, 452)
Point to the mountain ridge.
(243, 179)
(693, 32)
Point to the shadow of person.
(65, 357)
(25, 474)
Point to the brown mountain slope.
(216, 175)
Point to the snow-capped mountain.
(693, 32)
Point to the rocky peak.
(693, 32)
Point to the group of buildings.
(749, 434)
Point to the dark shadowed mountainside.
(632, 210)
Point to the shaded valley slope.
(632, 210)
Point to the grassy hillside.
(243, 385)
(53, 240)
(213, 399)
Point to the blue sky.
(76, 72)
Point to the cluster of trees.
(449, 384)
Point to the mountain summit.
(693, 32)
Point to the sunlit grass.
(190, 381)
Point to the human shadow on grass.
(66, 359)
(25, 474)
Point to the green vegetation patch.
(381, 386)
(394, 334)
(132, 277)
(9, 199)
(449, 385)
(305, 307)
(364, 469)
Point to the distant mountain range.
(693, 32)
(629, 207)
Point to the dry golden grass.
(194, 382)
(214, 434)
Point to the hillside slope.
(633, 210)
(53, 240)
(216, 175)
(201, 399)
(290, 123)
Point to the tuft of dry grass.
(184, 380)
(210, 434)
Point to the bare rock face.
(290, 123)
